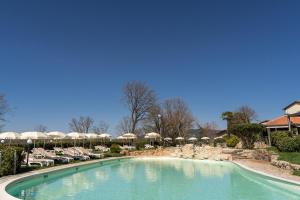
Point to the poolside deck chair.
(102, 149)
(148, 146)
(51, 155)
(44, 162)
(88, 152)
(75, 154)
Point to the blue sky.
(63, 59)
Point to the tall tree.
(82, 125)
(4, 108)
(153, 122)
(139, 99)
(242, 115)
(177, 119)
(228, 116)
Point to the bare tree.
(82, 125)
(102, 127)
(139, 99)
(153, 122)
(124, 125)
(4, 108)
(246, 114)
(177, 119)
(209, 129)
(41, 128)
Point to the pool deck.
(261, 167)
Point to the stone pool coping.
(7, 180)
(266, 174)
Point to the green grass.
(292, 157)
(297, 172)
(274, 149)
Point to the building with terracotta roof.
(290, 121)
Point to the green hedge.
(7, 159)
(277, 136)
(284, 142)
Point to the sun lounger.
(126, 147)
(50, 155)
(44, 162)
(102, 149)
(87, 152)
(148, 146)
(75, 154)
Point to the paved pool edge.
(8, 180)
(267, 174)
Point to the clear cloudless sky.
(64, 59)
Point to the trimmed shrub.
(231, 141)
(7, 159)
(278, 135)
(297, 140)
(115, 148)
(287, 144)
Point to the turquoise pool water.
(159, 179)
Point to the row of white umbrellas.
(76, 135)
(51, 135)
(153, 135)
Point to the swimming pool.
(154, 178)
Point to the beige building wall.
(293, 109)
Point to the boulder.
(295, 167)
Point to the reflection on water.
(189, 168)
(151, 173)
(126, 171)
(102, 175)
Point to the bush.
(231, 141)
(7, 160)
(276, 136)
(297, 140)
(248, 133)
(115, 148)
(287, 144)
(219, 141)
